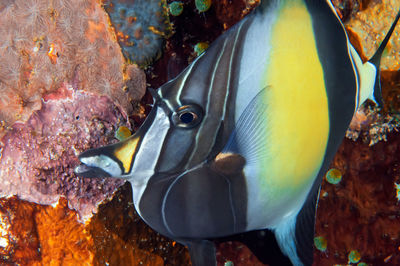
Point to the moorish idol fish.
(240, 140)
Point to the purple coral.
(38, 156)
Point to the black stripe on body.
(180, 141)
(216, 92)
(205, 201)
(341, 88)
(339, 75)
(228, 124)
(220, 64)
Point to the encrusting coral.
(63, 78)
(38, 156)
(32, 234)
(46, 43)
(141, 27)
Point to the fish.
(239, 141)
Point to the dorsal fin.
(376, 60)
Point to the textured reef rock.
(38, 156)
(366, 31)
(372, 124)
(65, 88)
(237, 253)
(360, 215)
(362, 211)
(141, 27)
(46, 43)
(228, 13)
(371, 29)
(32, 234)
(36, 235)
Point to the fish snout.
(89, 171)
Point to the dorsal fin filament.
(376, 60)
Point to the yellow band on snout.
(126, 151)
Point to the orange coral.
(43, 235)
(32, 234)
(371, 26)
(63, 240)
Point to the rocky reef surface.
(68, 83)
(141, 29)
(47, 43)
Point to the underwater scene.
(78, 75)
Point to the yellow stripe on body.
(125, 152)
(298, 120)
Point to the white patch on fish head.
(148, 154)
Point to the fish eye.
(187, 116)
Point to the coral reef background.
(68, 81)
(140, 30)
(47, 43)
(64, 85)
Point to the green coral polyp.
(397, 187)
(333, 176)
(122, 133)
(354, 256)
(320, 243)
(175, 8)
(200, 47)
(203, 5)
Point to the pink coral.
(38, 156)
(47, 43)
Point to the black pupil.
(186, 117)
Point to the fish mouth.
(84, 170)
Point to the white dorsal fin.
(367, 77)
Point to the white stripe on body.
(148, 154)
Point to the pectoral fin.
(248, 137)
